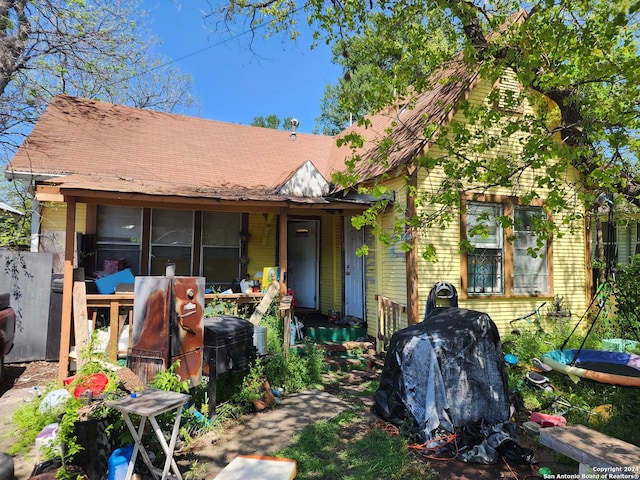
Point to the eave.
(145, 193)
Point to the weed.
(347, 447)
(584, 398)
(196, 471)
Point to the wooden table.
(116, 300)
(252, 298)
(113, 302)
(148, 404)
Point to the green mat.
(340, 334)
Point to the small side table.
(148, 404)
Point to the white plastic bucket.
(260, 339)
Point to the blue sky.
(232, 83)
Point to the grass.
(353, 447)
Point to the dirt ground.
(350, 388)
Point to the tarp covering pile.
(446, 375)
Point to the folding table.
(148, 404)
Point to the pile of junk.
(445, 380)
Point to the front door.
(353, 271)
(302, 262)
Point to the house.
(223, 201)
(7, 211)
(620, 231)
(499, 276)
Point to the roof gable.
(406, 122)
(306, 182)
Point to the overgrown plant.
(610, 409)
(301, 368)
(627, 292)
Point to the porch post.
(412, 254)
(67, 289)
(282, 249)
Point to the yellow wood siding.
(262, 244)
(569, 257)
(331, 281)
(53, 217)
(388, 265)
(372, 282)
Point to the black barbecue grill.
(228, 348)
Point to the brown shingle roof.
(88, 137)
(405, 122)
(101, 144)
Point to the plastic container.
(620, 345)
(119, 462)
(511, 359)
(292, 334)
(260, 339)
(44, 439)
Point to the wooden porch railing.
(389, 317)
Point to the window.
(497, 266)
(118, 236)
(530, 273)
(221, 247)
(171, 241)
(485, 261)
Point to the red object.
(292, 292)
(545, 420)
(96, 382)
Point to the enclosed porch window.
(171, 241)
(118, 236)
(221, 247)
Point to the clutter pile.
(445, 377)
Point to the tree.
(271, 121)
(87, 48)
(581, 55)
(378, 60)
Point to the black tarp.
(447, 375)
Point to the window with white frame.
(119, 236)
(221, 247)
(519, 266)
(530, 272)
(171, 241)
(485, 264)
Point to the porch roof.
(118, 190)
